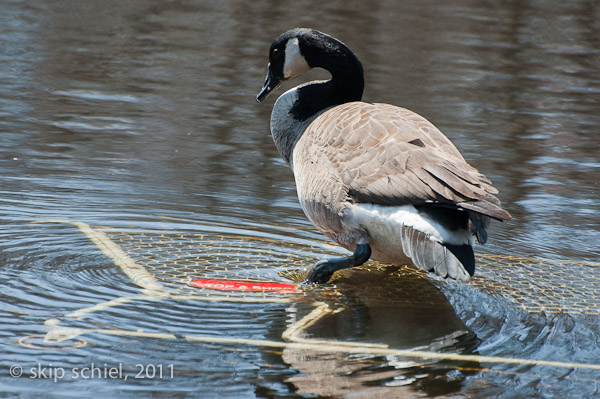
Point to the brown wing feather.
(382, 154)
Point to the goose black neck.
(346, 83)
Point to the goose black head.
(286, 59)
(298, 50)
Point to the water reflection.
(394, 307)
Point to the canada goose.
(379, 180)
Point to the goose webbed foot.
(322, 271)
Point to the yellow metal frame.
(292, 337)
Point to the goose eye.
(276, 54)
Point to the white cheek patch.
(295, 64)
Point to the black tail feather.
(465, 255)
(477, 225)
(455, 261)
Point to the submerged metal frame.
(293, 337)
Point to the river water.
(136, 122)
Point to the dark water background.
(141, 115)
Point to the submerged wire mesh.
(535, 285)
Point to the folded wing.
(387, 155)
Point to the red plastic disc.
(237, 285)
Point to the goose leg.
(322, 271)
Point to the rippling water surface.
(136, 123)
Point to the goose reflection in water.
(392, 306)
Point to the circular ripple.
(177, 259)
(37, 342)
(547, 286)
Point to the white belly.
(383, 224)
